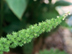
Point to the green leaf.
(17, 6)
(62, 3)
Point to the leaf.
(62, 3)
(17, 6)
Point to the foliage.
(62, 3)
(19, 14)
(28, 12)
(52, 51)
(26, 35)
(17, 6)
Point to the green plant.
(26, 35)
(19, 14)
(52, 51)
(17, 7)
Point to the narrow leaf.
(62, 3)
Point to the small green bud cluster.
(26, 35)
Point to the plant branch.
(26, 35)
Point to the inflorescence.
(26, 35)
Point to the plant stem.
(1, 19)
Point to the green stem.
(1, 19)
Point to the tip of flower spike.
(68, 13)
